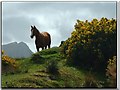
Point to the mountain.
(17, 50)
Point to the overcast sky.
(57, 18)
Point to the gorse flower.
(6, 60)
(2, 52)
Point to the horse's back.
(47, 37)
(46, 34)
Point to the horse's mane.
(38, 33)
(37, 30)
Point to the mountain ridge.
(17, 50)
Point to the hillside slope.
(47, 69)
(39, 75)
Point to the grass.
(40, 75)
(71, 77)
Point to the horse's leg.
(42, 48)
(45, 47)
(37, 49)
(49, 46)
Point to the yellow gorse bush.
(91, 43)
(6, 60)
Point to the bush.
(37, 58)
(8, 63)
(111, 72)
(91, 44)
(52, 67)
(52, 50)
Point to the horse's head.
(33, 31)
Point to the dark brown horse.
(42, 39)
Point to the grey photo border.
(0, 40)
(118, 48)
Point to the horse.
(42, 40)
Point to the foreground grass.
(41, 73)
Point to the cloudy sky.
(57, 18)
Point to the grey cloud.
(55, 7)
(18, 27)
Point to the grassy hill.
(48, 69)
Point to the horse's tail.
(49, 40)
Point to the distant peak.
(17, 50)
(21, 43)
(15, 42)
(11, 43)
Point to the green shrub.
(37, 58)
(91, 44)
(52, 67)
(52, 50)
(111, 72)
